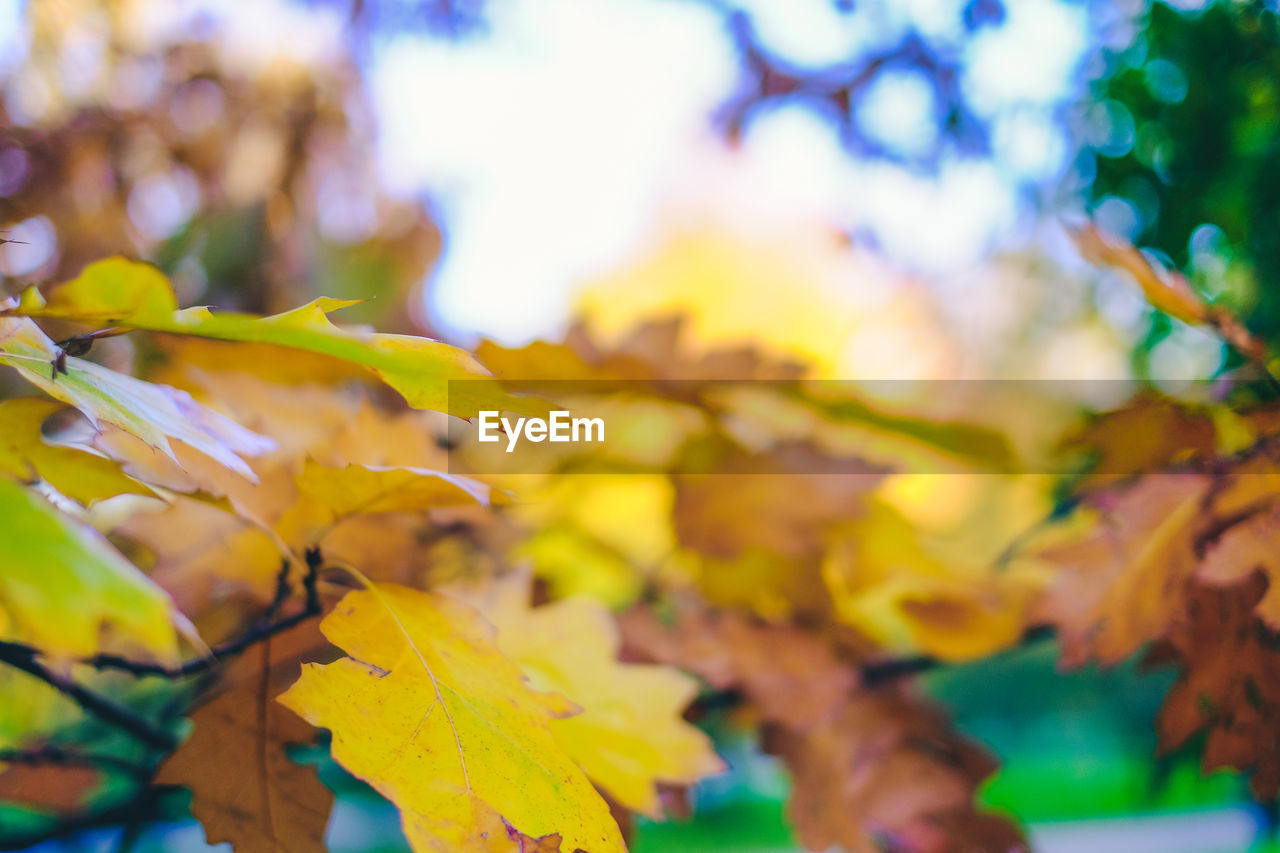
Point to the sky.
(555, 146)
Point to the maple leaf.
(120, 292)
(1229, 684)
(76, 472)
(887, 772)
(630, 735)
(61, 584)
(272, 803)
(429, 712)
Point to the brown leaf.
(245, 789)
(780, 501)
(1243, 549)
(887, 772)
(1229, 686)
(1128, 579)
(58, 788)
(1148, 433)
(793, 676)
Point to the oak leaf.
(886, 772)
(75, 471)
(1124, 583)
(125, 293)
(62, 584)
(630, 735)
(428, 711)
(1229, 685)
(793, 676)
(157, 414)
(269, 803)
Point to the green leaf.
(153, 413)
(62, 584)
(120, 292)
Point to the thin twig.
(144, 807)
(67, 758)
(883, 672)
(257, 634)
(26, 659)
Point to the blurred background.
(878, 186)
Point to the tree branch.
(144, 806)
(67, 758)
(26, 659)
(262, 631)
(883, 672)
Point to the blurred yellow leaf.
(630, 734)
(76, 472)
(62, 585)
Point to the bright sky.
(552, 147)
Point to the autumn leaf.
(59, 788)
(156, 414)
(428, 711)
(328, 495)
(271, 803)
(61, 585)
(1166, 290)
(887, 772)
(1123, 583)
(1242, 549)
(1229, 684)
(793, 676)
(780, 501)
(75, 471)
(120, 292)
(1148, 433)
(630, 735)
(885, 583)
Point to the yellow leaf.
(432, 715)
(117, 291)
(887, 584)
(154, 413)
(328, 495)
(61, 585)
(75, 471)
(630, 734)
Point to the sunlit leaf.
(429, 712)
